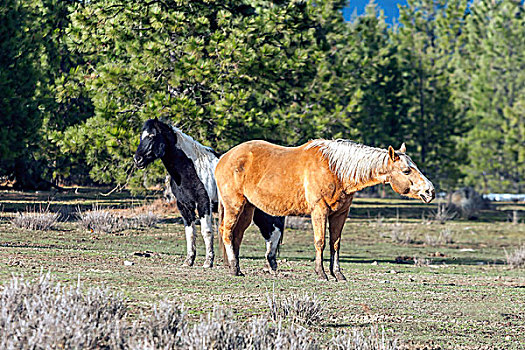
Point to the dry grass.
(444, 237)
(44, 314)
(358, 340)
(418, 261)
(104, 221)
(466, 299)
(442, 214)
(400, 234)
(303, 309)
(516, 258)
(36, 220)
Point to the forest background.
(79, 78)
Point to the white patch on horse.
(206, 224)
(207, 234)
(272, 243)
(229, 252)
(145, 134)
(350, 160)
(190, 239)
(203, 159)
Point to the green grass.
(465, 298)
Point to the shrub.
(304, 309)
(164, 329)
(467, 202)
(103, 221)
(38, 220)
(422, 261)
(516, 258)
(399, 235)
(45, 315)
(445, 237)
(443, 213)
(356, 339)
(148, 219)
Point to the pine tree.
(60, 109)
(375, 83)
(224, 71)
(427, 40)
(491, 90)
(21, 119)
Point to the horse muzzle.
(139, 161)
(427, 196)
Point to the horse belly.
(278, 194)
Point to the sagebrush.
(303, 309)
(516, 258)
(43, 314)
(37, 220)
(100, 220)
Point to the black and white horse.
(191, 167)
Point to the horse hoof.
(272, 265)
(208, 264)
(340, 277)
(322, 276)
(237, 273)
(234, 269)
(188, 262)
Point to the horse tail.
(221, 242)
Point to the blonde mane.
(350, 160)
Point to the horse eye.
(406, 172)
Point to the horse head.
(405, 178)
(154, 139)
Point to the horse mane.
(191, 147)
(204, 159)
(350, 160)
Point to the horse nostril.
(431, 193)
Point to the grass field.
(459, 295)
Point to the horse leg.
(231, 213)
(204, 207)
(271, 228)
(207, 235)
(190, 244)
(319, 225)
(244, 220)
(336, 222)
(188, 217)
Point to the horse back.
(278, 180)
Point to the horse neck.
(171, 159)
(377, 176)
(353, 186)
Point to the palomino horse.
(191, 167)
(318, 178)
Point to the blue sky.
(388, 6)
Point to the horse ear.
(403, 148)
(392, 154)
